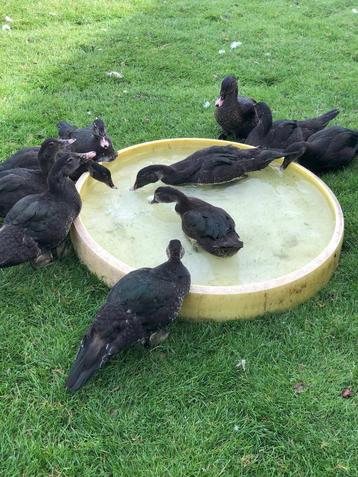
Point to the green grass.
(183, 409)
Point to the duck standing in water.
(210, 227)
(138, 309)
(212, 165)
(235, 114)
(19, 182)
(327, 150)
(39, 223)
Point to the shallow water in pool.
(282, 219)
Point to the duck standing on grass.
(210, 227)
(138, 309)
(212, 165)
(39, 223)
(235, 114)
(19, 182)
(282, 133)
(327, 150)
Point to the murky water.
(282, 219)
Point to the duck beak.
(85, 156)
(219, 102)
(66, 141)
(112, 186)
(154, 201)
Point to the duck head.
(149, 175)
(66, 164)
(49, 150)
(175, 250)
(228, 88)
(100, 173)
(165, 194)
(51, 146)
(105, 152)
(292, 153)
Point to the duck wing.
(150, 294)
(207, 224)
(112, 330)
(27, 158)
(16, 246)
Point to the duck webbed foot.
(42, 260)
(155, 339)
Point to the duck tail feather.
(325, 118)
(65, 129)
(94, 352)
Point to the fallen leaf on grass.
(235, 44)
(299, 387)
(248, 459)
(241, 365)
(346, 393)
(6, 27)
(354, 10)
(115, 74)
(206, 104)
(8, 19)
(221, 52)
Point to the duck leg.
(155, 339)
(223, 136)
(63, 250)
(42, 260)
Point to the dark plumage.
(19, 182)
(211, 227)
(212, 165)
(141, 305)
(26, 158)
(92, 138)
(235, 114)
(278, 134)
(328, 150)
(313, 125)
(41, 222)
(100, 173)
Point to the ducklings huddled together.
(39, 202)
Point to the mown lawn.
(182, 409)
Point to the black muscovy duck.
(312, 125)
(327, 150)
(212, 165)
(235, 114)
(28, 157)
(210, 227)
(19, 182)
(138, 309)
(100, 173)
(39, 223)
(282, 133)
(278, 134)
(92, 138)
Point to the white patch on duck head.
(103, 142)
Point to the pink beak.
(219, 102)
